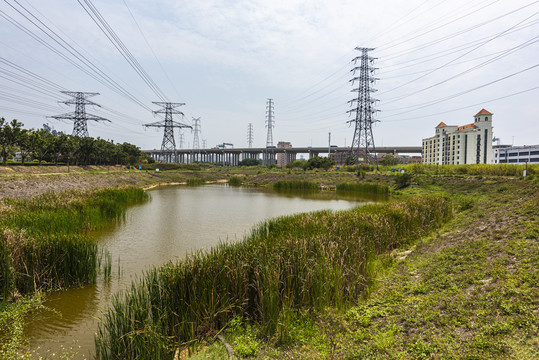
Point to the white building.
(466, 144)
(507, 154)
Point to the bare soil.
(30, 181)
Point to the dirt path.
(30, 181)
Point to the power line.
(94, 71)
(104, 26)
(448, 63)
(151, 49)
(465, 107)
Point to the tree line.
(53, 147)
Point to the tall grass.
(295, 185)
(305, 261)
(44, 241)
(471, 169)
(363, 187)
(195, 181)
(236, 180)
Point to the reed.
(363, 187)
(235, 180)
(195, 181)
(305, 261)
(296, 185)
(471, 169)
(44, 241)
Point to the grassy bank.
(307, 261)
(295, 185)
(44, 241)
(468, 292)
(364, 187)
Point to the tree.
(318, 162)
(131, 153)
(297, 164)
(9, 137)
(249, 162)
(68, 146)
(41, 143)
(23, 141)
(389, 160)
(3, 140)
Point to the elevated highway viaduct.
(232, 156)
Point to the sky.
(436, 60)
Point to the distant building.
(466, 144)
(339, 157)
(405, 159)
(507, 154)
(285, 158)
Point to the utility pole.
(329, 144)
(168, 146)
(80, 117)
(196, 133)
(363, 141)
(250, 135)
(270, 124)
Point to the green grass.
(364, 187)
(44, 241)
(305, 261)
(472, 169)
(467, 292)
(12, 321)
(195, 181)
(236, 180)
(295, 185)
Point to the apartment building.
(465, 144)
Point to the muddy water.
(176, 221)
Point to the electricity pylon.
(168, 146)
(270, 124)
(80, 117)
(250, 135)
(363, 141)
(196, 133)
(182, 139)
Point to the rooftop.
(483, 112)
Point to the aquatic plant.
(235, 180)
(44, 242)
(470, 169)
(295, 185)
(363, 187)
(195, 181)
(305, 261)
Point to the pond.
(174, 222)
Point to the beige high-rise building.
(456, 145)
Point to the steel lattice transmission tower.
(182, 139)
(196, 133)
(363, 107)
(80, 117)
(270, 123)
(250, 135)
(168, 146)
